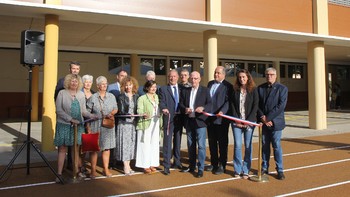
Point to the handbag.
(106, 121)
(90, 142)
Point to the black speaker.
(32, 47)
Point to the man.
(74, 68)
(272, 102)
(169, 102)
(193, 102)
(218, 127)
(150, 76)
(184, 76)
(114, 88)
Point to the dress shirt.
(192, 100)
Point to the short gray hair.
(150, 73)
(100, 79)
(88, 78)
(271, 69)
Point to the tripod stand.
(29, 142)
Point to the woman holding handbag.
(70, 109)
(148, 128)
(103, 104)
(126, 129)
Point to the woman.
(88, 92)
(70, 109)
(147, 152)
(245, 102)
(103, 104)
(126, 129)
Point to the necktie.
(176, 96)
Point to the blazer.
(123, 105)
(167, 101)
(202, 100)
(221, 100)
(144, 105)
(251, 104)
(272, 105)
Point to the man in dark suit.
(220, 89)
(272, 102)
(193, 102)
(169, 104)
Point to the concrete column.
(135, 66)
(214, 11)
(320, 16)
(35, 94)
(50, 81)
(277, 66)
(210, 55)
(317, 86)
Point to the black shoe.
(280, 176)
(263, 172)
(199, 174)
(219, 170)
(188, 169)
(166, 171)
(209, 168)
(180, 167)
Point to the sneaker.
(245, 176)
(236, 175)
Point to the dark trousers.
(218, 143)
(172, 138)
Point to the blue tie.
(176, 96)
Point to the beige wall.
(339, 20)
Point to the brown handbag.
(106, 121)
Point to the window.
(257, 69)
(146, 64)
(295, 71)
(343, 73)
(181, 63)
(159, 66)
(117, 63)
(282, 71)
(232, 67)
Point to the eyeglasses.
(270, 74)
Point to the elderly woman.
(147, 152)
(126, 129)
(102, 104)
(70, 109)
(245, 101)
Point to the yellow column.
(35, 93)
(317, 86)
(135, 66)
(320, 16)
(214, 11)
(276, 65)
(210, 55)
(50, 81)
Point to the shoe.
(236, 175)
(219, 170)
(199, 174)
(81, 175)
(177, 166)
(264, 171)
(166, 171)
(153, 169)
(280, 176)
(209, 168)
(188, 169)
(57, 180)
(108, 175)
(147, 171)
(92, 177)
(245, 176)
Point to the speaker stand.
(29, 142)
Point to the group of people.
(144, 117)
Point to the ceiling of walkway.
(85, 31)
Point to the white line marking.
(222, 180)
(314, 189)
(289, 154)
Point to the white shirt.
(192, 100)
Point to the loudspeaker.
(32, 47)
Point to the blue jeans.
(274, 138)
(196, 135)
(247, 134)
